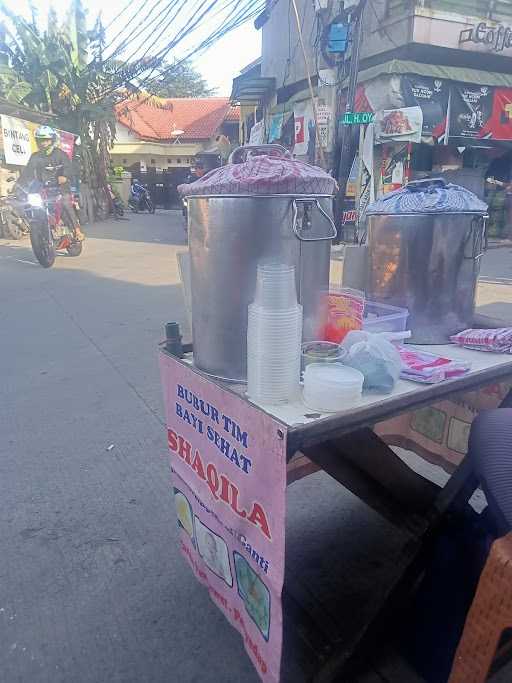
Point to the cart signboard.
(228, 464)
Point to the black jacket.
(47, 168)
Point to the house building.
(436, 75)
(160, 143)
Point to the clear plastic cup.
(275, 286)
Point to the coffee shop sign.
(496, 38)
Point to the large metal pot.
(427, 262)
(228, 237)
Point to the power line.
(246, 11)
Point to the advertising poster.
(431, 95)
(470, 110)
(395, 166)
(228, 474)
(481, 113)
(19, 141)
(400, 125)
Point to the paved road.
(92, 588)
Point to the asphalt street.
(92, 587)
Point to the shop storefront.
(430, 121)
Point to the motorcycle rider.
(51, 164)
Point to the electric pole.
(346, 134)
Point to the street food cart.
(233, 457)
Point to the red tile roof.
(199, 118)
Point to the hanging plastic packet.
(428, 368)
(497, 341)
(374, 356)
(342, 310)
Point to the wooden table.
(344, 445)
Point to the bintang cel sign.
(495, 38)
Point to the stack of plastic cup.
(274, 335)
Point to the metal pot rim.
(429, 213)
(259, 196)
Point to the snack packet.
(497, 341)
(342, 311)
(428, 368)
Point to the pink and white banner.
(228, 462)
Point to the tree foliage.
(49, 73)
(180, 80)
(60, 70)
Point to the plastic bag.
(374, 356)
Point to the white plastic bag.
(374, 356)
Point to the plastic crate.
(384, 318)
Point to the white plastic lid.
(334, 376)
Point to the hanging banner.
(276, 127)
(228, 472)
(470, 110)
(305, 134)
(66, 142)
(399, 125)
(17, 141)
(257, 133)
(431, 95)
(398, 92)
(367, 185)
(499, 124)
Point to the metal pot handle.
(483, 240)
(297, 230)
(240, 153)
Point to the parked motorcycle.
(116, 203)
(13, 224)
(48, 232)
(141, 200)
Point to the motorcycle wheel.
(43, 249)
(120, 211)
(150, 205)
(75, 248)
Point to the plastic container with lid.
(331, 387)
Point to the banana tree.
(47, 70)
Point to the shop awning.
(451, 73)
(251, 90)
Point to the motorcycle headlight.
(35, 200)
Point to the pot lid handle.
(241, 153)
(426, 184)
